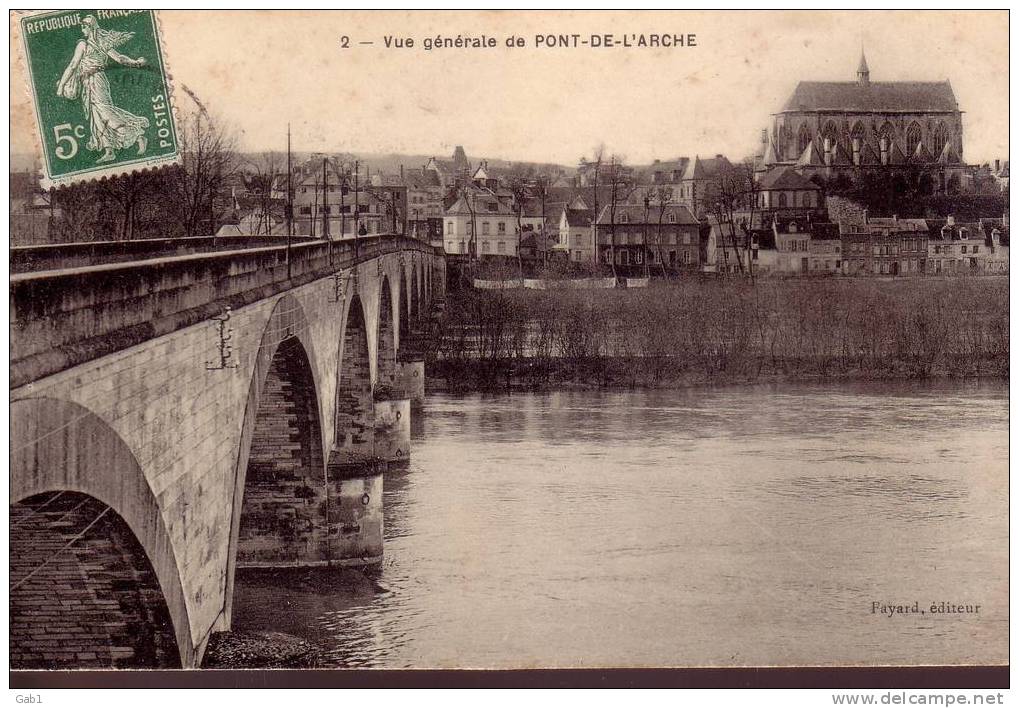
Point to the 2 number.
(66, 133)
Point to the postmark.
(101, 93)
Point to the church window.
(913, 135)
(804, 139)
(830, 133)
(939, 139)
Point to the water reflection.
(751, 525)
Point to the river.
(700, 527)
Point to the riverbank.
(621, 374)
(684, 333)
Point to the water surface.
(710, 526)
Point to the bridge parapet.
(56, 256)
(62, 318)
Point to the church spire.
(863, 72)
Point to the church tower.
(862, 72)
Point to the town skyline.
(710, 99)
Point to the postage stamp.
(101, 93)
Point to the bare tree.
(541, 187)
(599, 157)
(732, 196)
(518, 187)
(620, 190)
(267, 171)
(662, 196)
(208, 160)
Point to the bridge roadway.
(176, 417)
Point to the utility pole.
(325, 201)
(290, 204)
(357, 199)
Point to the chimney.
(997, 166)
(718, 156)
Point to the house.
(792, 246)
(956, 248)
(884, 247)
(996, 239)
(480, 223)
(643, 236)
(425, 209)
(576, 237)
(451, 173)
(695, 185)
(783, 188)
(825, 249)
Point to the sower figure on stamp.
(112, 128)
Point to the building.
(591, 174)
(575, 234)
(494, 220)
(825, 249)
(695, 185)
(425, 209)
(833, 128)
(884, 247)
(451, 173)
(639, 236)
(783, 188)
(957, 248)
(792, 240)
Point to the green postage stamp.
(101, 93)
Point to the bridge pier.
(392, 430)
(410, 381)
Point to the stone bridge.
(177, 417)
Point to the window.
(781, 199)
(686, 239)
(501, 247)
(975, 248)
(305, 210)
(449, 247)
(672, 218)
(624, 218)
(470, 228)
(912, 138)
(484, 228)
(963, 248)
(502, 227)
(486, 246)
(686, 257)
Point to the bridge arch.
(355, 413)
(81, 503)
(405, 311)
(385, 340)
(280, 470)
(415, 294)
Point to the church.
(830, 129)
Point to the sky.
(258, 70)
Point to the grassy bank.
(686, 332)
